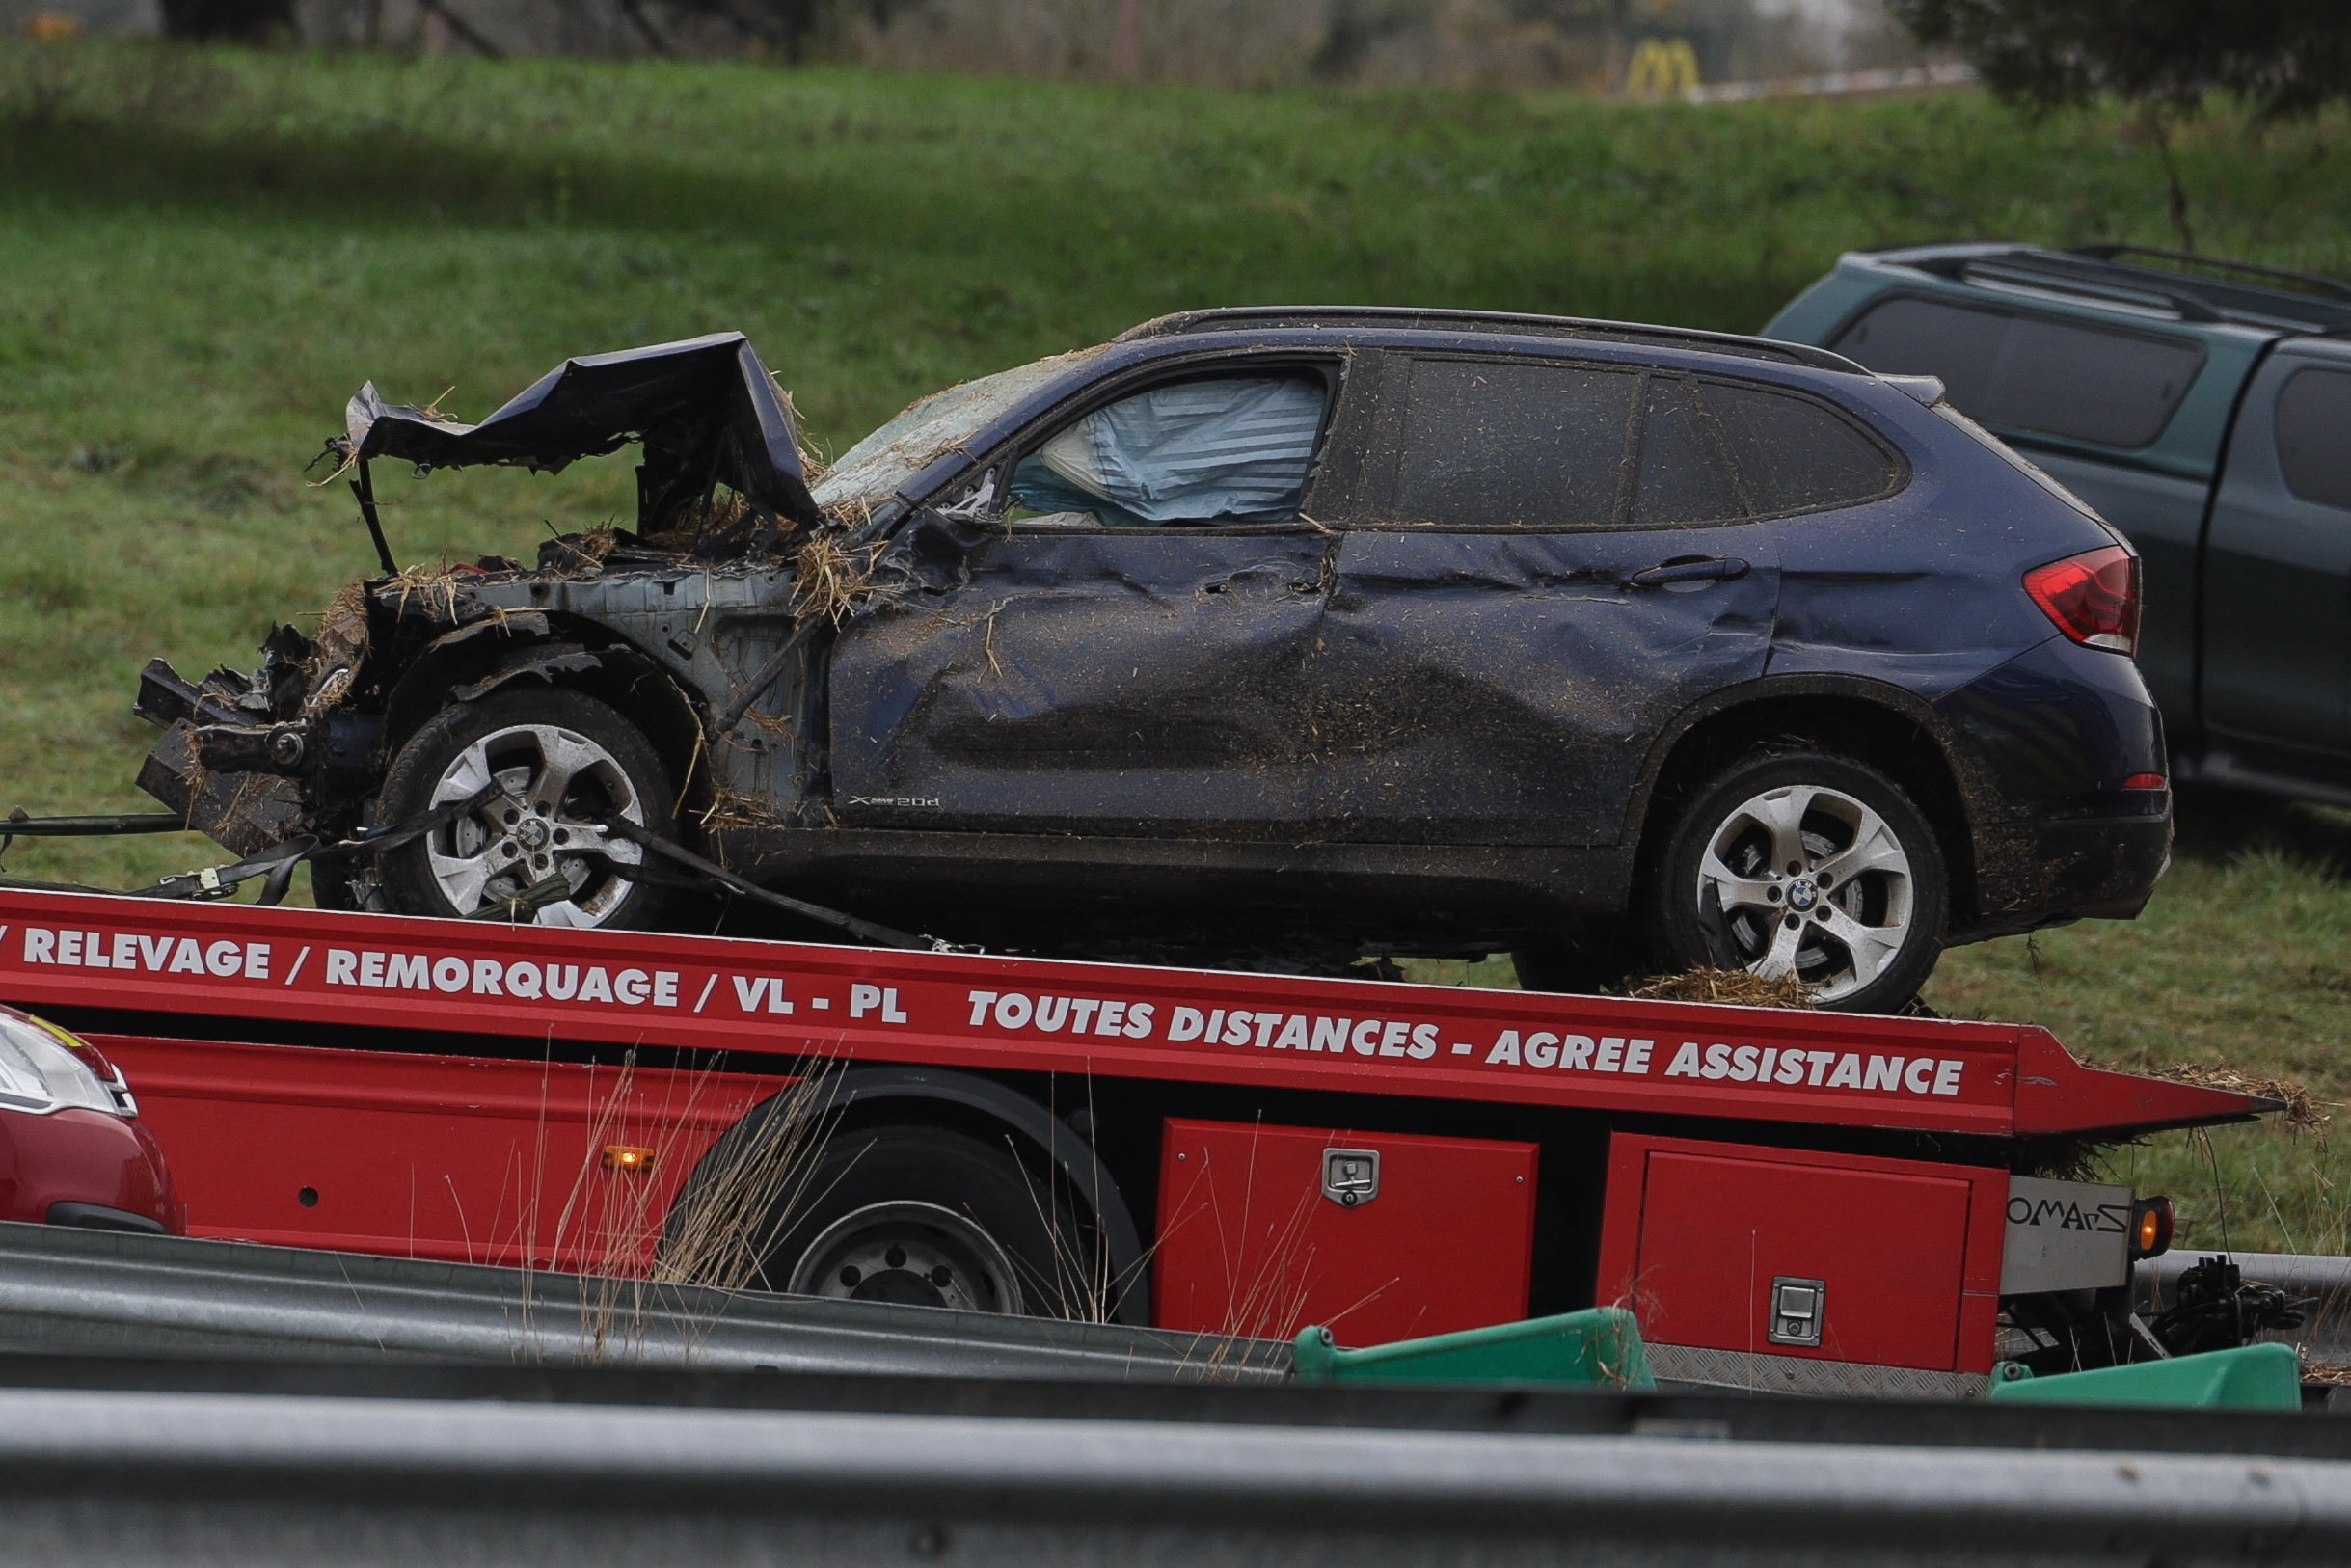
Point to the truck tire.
(928, 1217)
(1802, 862)
(564, 761)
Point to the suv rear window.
(2029, 373)
(2314, 436)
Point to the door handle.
(1703, 569)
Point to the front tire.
(557, 763)
(1803, 863)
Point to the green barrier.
(2253, 1377)
(1598, 1348)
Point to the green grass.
(203, 255)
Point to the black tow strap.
(277, 867)
(712, 871)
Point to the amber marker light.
(2150, 1228)
(630, 1158)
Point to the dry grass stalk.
(337, 649)
(755, 1185)
(831, 581)
(1266, 1289)
(692, 523)
(427, 585)
(748, 1190)
(812, 461)
(1738, 988)
(1085, 1287)
(2304, 1111)
(728, 808)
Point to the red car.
(72, 1151)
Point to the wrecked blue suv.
(1277, 636)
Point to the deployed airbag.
(1234, 449)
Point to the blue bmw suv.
(1285, 635)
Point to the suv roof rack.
(2098, 273)
(2308, 282)
(1402, 317)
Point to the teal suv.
(2204, 409)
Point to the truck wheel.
(925, 1217)
(563, 762)
(1808, 864)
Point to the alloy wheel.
(553, 790)
(1810, 882)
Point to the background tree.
(2281, 59)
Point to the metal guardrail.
(139, 1476)
(71, 1290)
(2324, 1282)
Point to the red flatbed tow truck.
(1789, 1200)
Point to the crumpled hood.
(705, 410)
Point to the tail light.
(2093, 597)
(2150, 1228)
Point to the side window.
(1493, 445)
(1794, 454)
(2314, 436)
(1226, 449)
(1684, 467)
(2029, 373)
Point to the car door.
(1556, 558)
(1101, 663)
(2276, 588)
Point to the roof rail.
(2050, 269)
(1242, 317)
(2333, 288)
(2245, 293)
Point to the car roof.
(2139, 281)
(1360, 320)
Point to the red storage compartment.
(1382, 1235)
(1764, 1251)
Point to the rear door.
(2277, 604)
(1556, 558)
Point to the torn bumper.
(231, 769)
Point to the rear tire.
(924, 1216)
(1802, 862)
(561, 763)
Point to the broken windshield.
(871, 470)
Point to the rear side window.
(1794, 454)
(2029, 373)
(1489, 444)
(1686, 472)
(2314, 436)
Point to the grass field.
(203, 255)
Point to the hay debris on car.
(1739, 987)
